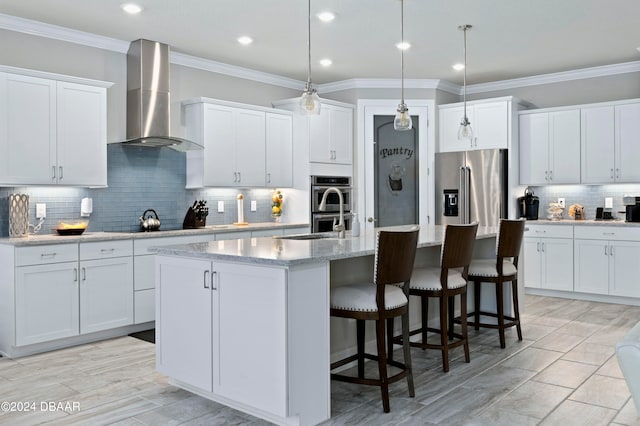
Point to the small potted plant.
(276, 204)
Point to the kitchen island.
(246, 322)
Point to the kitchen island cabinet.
(261, 314)
(53, 130)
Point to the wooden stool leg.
(516, 308)
(406, 348)
(500, 312)
(360, 343)
(390, 339)
(425, 317)
(451, 303)
(444, 339)
(476, 304)
(382, 365)
(463, 324)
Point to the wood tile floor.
(563, 373)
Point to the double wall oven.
(322, 221)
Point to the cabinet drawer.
(141, 246)
(614, 232)
(52, 253)
(106, 249)
(548, 231)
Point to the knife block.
(191, 221)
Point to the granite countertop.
(286, 252)
(40, 239)
(585, 222)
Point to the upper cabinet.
(331, 135)
(590, 144)
(52, 131)
(610, 148)
(244, 146)
(550, 147)
(491, 121)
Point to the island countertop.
(286, 252)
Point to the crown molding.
(235, 71)
(557, 77)
(27, 26)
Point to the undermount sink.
(314, 236)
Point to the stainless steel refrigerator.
(471, 186)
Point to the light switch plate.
(608, 202)
(561, 201)
(41, 210)
(254, 205)
(220, 206)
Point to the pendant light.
(309, 101)
(402, 120)
(465, 132)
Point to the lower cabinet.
(607, 267)
(222, 328)
(47, 302)
(548, 254)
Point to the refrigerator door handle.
(467, 194)
(462, 200)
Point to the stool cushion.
(487, 268)
(362, 297)
(429, 279)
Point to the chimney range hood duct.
(148, 98)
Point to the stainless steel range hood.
(148, 98)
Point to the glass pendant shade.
(402, 120)
(310, 102)
(465, 132)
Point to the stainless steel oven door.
(324, 222)
(333, 202)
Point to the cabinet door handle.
(605, 251)
(214, 277)
(239, 177)
(53, 172)
(268, 177)
(48, 254)
(608, 233)
(542, 244)
(205, 280)
(546, 175)
(617, 173)
(611, 251)
(109, 250)
(84, 274)
(538, 246)
(611, 173)
(75, 275)
(550, 175)
(60, 175)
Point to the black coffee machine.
(528, 205)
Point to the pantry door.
(394, 179)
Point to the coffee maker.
(632, 209)
(528, 205)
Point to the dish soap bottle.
(355, 225)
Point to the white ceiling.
(509, 39)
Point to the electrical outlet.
(608, 202)
(41, 210)
(254, 205)
(220, 206)
(561, 201)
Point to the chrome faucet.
(337, 227)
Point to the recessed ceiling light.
(403, 45)
(326, 16)
(458, 67)
(245, 40)
(131, 8)
(326, 62)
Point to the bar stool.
(502, 269)
(445, 282)
(378, 301)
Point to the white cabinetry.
(550, 147)
(235, 139)
(106, 285)
(46, 293)
(52, 132)
(212, 316)
(606, 261)
(548, 256)
(490, 121)
(279, 150)
(610, 152)
(331, 135)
